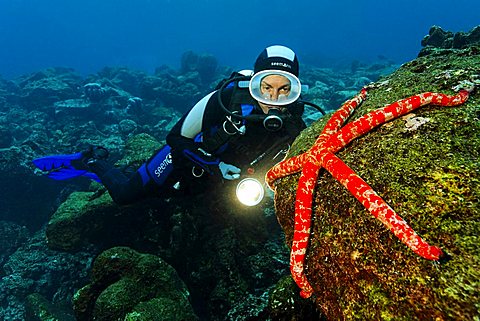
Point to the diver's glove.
(229, 171)
(91, 155)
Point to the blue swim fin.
(51, 162)
(59, 167)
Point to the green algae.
(430, 177)
(75, 218)
(285, 303)
(128, 285)
(86, 217)
(138, 149)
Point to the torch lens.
(250, 191)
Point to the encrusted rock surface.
(430, 176)
(439, 39)
(127, 285)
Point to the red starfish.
(332, 139)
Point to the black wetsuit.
(198, 142)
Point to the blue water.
(143, 34)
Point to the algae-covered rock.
(85, 219)
(285, 303)
(127, 285)
(78, 220)
(426, 166)
(92, 217)
(138, 149)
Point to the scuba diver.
(248, 115)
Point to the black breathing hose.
(320, 109)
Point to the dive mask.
(261, 88)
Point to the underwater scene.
(214, 160)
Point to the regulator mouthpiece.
(273, 121)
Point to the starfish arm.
(302, 226)
(341, 115)
(284, 168)
(294, 164)
(380, 116)
(379, 208)
(332, 139)
(447, 100)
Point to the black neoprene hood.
(277, 58)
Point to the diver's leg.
(151, 177)
(123, 190)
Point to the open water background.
(143, 34)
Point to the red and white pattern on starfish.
(332, 139)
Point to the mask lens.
(275, 87)
(282, 97)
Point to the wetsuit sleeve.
(185, 138)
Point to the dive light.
(250, 191)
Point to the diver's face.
(272, 87)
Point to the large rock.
(92, 217)
(429, 174)
(80, 220)
(127, 285)
(439, 39)
(39, 90)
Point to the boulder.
(128, 285)
(92, 217)
(439, 39)
(429, 175)
(39, 90)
